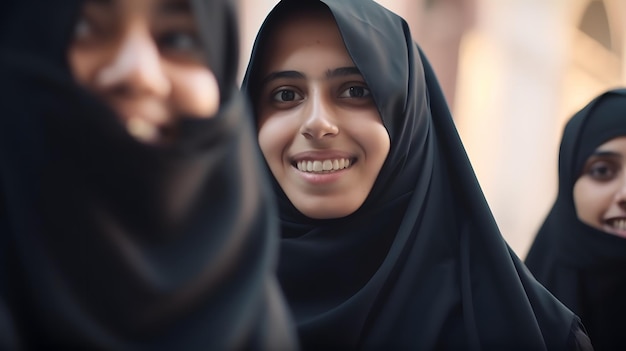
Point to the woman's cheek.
(195, 92)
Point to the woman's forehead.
(317, 22)
(300, 35)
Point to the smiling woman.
(310, 88)
(600, 192)
(145, 59)
(133, 215)
(579, 253)
(387, 241)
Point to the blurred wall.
(525, 69)
(513, 72)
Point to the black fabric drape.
(421, 265)
(111, 244)
(585, 267)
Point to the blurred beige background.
(513, 72)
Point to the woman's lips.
(323, 166)
(142, 129)
(148, 122)
(322, 161)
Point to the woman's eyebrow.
(342, 72)
(606, 153)
(282, 74)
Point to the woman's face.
(319, 128)
(144, 58)
(600, 192)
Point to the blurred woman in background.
(579, 253)
(132, 212)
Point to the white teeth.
(141, 129)
(323, 166)
(327, 165)
(317, 166)
(619, 224)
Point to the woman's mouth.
(142, 130)
(616, 226)
(323, 166)
(148, 121)
(150, 133)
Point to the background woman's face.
(600, 192)
(319, 128)
(144, 58)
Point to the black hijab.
(107, 243)
(585, 267)
(421, 265)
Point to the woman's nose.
(320, 120)
(620, 194)
(135, 67)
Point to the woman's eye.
(602, 171)
(286, 95)
(355, 92)
(92, 27)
